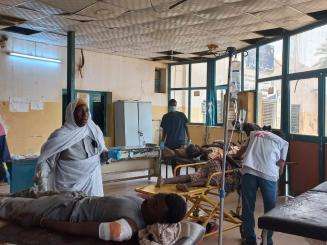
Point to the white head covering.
(70, 134)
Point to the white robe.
(73, 175)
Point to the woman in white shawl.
(71, 158)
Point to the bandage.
(118, 230)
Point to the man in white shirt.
(264, 160)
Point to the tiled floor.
(230, 237)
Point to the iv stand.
(231, 51)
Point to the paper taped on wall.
(37, 105)
(17, 104)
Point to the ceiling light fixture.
(34, 57)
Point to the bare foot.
(182, 187)
(160, 182)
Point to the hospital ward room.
(163, 122)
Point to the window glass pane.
(236, 67)
(249, 69)
(269, 103)
(179, 76)
(157, 81)
(181, 96)
(220, 105)
(304, 106)
(270, 59)
(199, 75)
(308, 50)
(198, 106)
(221, 71)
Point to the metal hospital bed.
(203, 201)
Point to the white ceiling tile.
(69, 6)
(175, 22)
(127, 19)
(22, 13)
(254, 6)
(103, 11)
(218, 13)
(294, 23)
(12, 2)
(133, 4)
(139, 29)
(244, 19)
(311, 6)
(56, 22)
(279, 13)
(292, 2)
(40, 7)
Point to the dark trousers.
(250, 184)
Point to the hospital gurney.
(305, 215)
(15, 234)
(204, 204)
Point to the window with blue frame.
(188, 86)
(304, 112)
(221, 84)
(308, 50)
(181, 96)
(220, 93)
(271, 59)
(269, 103)
(179, 76)
(222, 71)
(270, 84)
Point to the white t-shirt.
(264, 150)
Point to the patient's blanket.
(164, 234)
(168, 234)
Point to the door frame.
(320, 139)
(91, 93)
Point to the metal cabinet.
(133, 123)
(21, 174)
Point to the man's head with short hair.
(172, 102)
(163, 208)
(249, 127)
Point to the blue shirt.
(174, 125)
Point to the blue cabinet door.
(21, 176)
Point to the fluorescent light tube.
(34, 57)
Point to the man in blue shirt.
(174, 124)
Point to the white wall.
(126, 78)
(39, 80)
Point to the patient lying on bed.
(108, 218)
(214, 155)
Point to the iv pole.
(231, 51)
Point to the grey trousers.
(28, 208)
